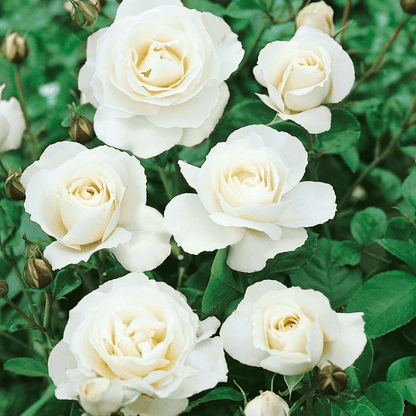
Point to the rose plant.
(302, 74)
(89, 200)
(135, 344)
(249, 198)
(156, 76)
(291, 330)
(12, 123)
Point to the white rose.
(94, 199)
(156, 75)
(249, 198)
(135, 344)
(290, 330)
(267, 404)
(318, 15)
(302, 74)
(12, 123)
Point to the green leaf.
(400, 240)
(346, 253)
(337, 283)
(388, 184)
(191, 294)
(387, 300)
(350, 408)
(351, 158)
(76, 409)
(241, 9)
(65, 282)
(344, 133)
(383, 399)
(359, 372)
(409, 189)
(367, 226)
(221, 393)
(402, 375)
(222, 288)
(286, 262)
(27, 367)
(292, 381)
(377, 120)
(206, 6)
(246, 113)
(409, 331)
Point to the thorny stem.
(33, 141)
(376, 65)
(381, 156)
(345, 18)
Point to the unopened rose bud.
(99, 3)
(81, 129)
(409, 6)
(332, 379)
(267, 404)
(13, 187)
(37, 273)
(14, 48)
(4, 288)
(318, 15)
(85, 12)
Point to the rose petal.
(193, 230)
(194, 136)
(315, 121)
(135, 7)
(135, 134)
(250, 253)
(12, 111)
(149, 245)
(348, 346)
(306, 205)
(60, 256)
(153, 406)
(208, 359)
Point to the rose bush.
(156, 75)
(249, 198)
(290, 330)
(267, 404)
(94, 199)
(135, 343)
(12, 123)
(302, 74)
(318, 15)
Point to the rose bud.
(85, 12)
(267, 404)
(318, 15)
(99, 3)
(37, 273)
(13, 188)
(4, 288)
(409, 6)
(332, 379)
(14, 48)
(81, 129)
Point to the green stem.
(290, 10)
(376, 65)
(375, 256)
(28, 319)
(167, 183)
(33, 141)
(345, 18)
(48, 314)
(380, 157)
(20, 343)
(3, 168)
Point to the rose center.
(138, 337)
(158, 64)
(86, 191)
